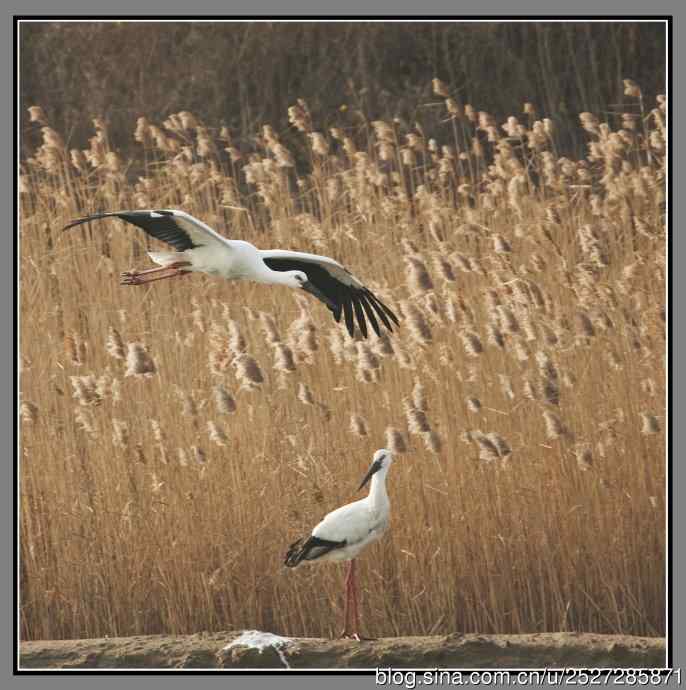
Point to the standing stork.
(344, 532)
(201, 249)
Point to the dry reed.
(542, 266)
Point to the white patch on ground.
(261, 640)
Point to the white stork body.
(346, 531)
(236, 261)
(200, 249)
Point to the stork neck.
(264, 274)
(378, 496)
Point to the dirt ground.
(207, 650)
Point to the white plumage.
(200, 249)
(344, 532)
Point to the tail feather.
(309, 549)
(164, 258)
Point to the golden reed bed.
(175, 438)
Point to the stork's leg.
(355, 600)
(136, 277)
(347, 607)
(356, 615)
(136, 280)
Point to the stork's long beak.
(376, 466)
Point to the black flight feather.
(349, 320)
(360, 315)
(370, 313)
(383, 307)
(162, 226)
(380, 312)
(309, 549)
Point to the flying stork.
(201, 249)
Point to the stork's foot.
(345, 635)
(132, 277)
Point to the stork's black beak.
(376, 466)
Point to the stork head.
(381, 462)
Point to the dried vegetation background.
(175, 438)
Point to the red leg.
(135, 277)
(135, 280)
(356, 616)
(347, 607)
(355, 600)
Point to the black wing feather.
(383, 307)
(162, 226)
(309, 549)
(380, 312)
(343, 300)
(349, 319)
(360, 315)
(370, 313)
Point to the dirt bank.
(207, 650)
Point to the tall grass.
(176, 437)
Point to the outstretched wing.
(334, 285)
(177, 228)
